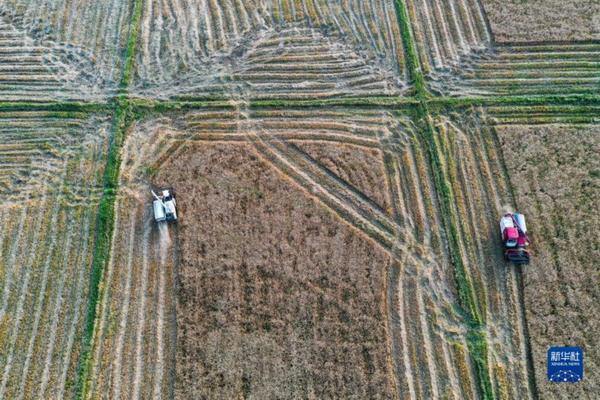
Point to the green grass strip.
(66, 106)
(130, 51)
(102, 246)
(441, 104)
(106, 219)
(410, 49)
(476, 341)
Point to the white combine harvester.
(164, 206)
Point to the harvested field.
(48, 52)
(339, 166)
(543, 20)
(134, 340)
(448, 30)
(526, 69)
(459, 54)
(245, 174)
(270, 49)
(133, 344)
(51, 172)
(555, 174)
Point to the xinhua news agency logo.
(565, 364)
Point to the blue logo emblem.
(565, 364)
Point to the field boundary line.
(105, 222)
(476, 341)
(142, 106)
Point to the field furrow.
(17, 293)
(447, 31)
(41, 289)
(117, 364)
(58, 302)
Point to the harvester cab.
(164, 206)
(514, 236)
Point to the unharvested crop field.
(559, 186)
(268, 301)
(340, 168)
(543, 20)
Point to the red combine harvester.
(515, 239)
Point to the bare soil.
(277, 297)
(555, 172)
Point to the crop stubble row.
(557, 188)
(85, 37)
(46, 251)
(323, 48)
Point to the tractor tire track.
(399, 322)
(77, 301)
(11, 262)
(55, 318)
(354, 217)
(105, 295)
(139, 355)
(160, 331)
(427, 342)
(117, 361)
(18, 316)
(39, 307)
(288, 136)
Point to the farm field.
(294, 289)
(52, 167)
(214, 306)
(48, 53)
(270, 49)
(340, 168)
(561, 291)
(543, 20)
